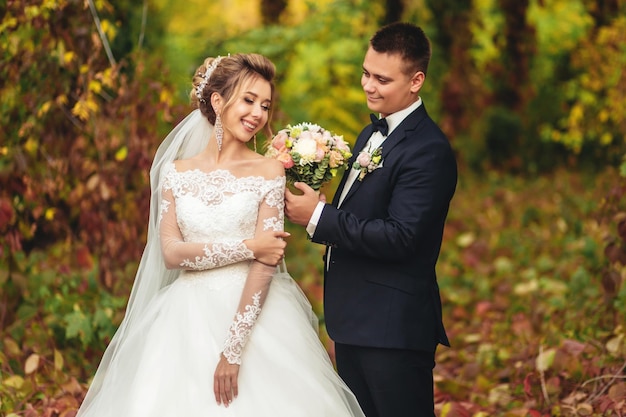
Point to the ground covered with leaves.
(531, 276)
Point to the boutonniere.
(368, 161)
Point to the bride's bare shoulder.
(183, 165)
(268, 168)
(257, 165)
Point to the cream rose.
(306, 147)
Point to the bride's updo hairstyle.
(228, 75)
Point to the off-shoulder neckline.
(223, 170)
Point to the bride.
(213, 327)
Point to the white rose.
(306, 148)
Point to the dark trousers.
(388, 382)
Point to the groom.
(383, 233)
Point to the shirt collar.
(394, 119)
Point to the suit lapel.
(409, 124)
(358, 147)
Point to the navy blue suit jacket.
(380, 288)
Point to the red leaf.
(6, 213)
(83, 258)
(528, 385)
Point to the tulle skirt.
(166, 366)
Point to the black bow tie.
(379, 124)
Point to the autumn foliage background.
(532, 94)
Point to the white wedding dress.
(165, 365)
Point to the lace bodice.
(217, 206)
(205, 218)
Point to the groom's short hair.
(407, 40)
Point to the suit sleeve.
(423, 185)
(271, 217)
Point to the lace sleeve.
(194, 255)
(271, 217)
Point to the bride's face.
(249, 111)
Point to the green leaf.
(78, 325)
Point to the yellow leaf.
(68, 57)
(445, 409)
(525, 288)
(32, 363)
(500, 395)
(108, 78)
(49, 214)
(50, 4)
(11, 347)
(80, 110)
(84, 68)
(9, 22)
(44, 108)
(606, 138)
(166, 96)
(92, 105)
(62, 99)
(472, 338)
(95, 86)
(58, 360)
(31, 146)
(14, 381)
(545, 359)
(31, 11)
(109, 29)
(603, 115)
(465, 239)
(614, 345)
(121, 154)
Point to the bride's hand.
(268, 247)
(225, 384)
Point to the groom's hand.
(299, 208)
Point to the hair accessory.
(206, 76)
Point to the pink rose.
(279, 140)
(364, 159)
(319, 154)
(341, 144)
(286, 159)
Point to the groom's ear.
(417, 81)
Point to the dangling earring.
(255, 142)
(219, 132)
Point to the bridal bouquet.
(309, 153)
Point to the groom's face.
(387, 88)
